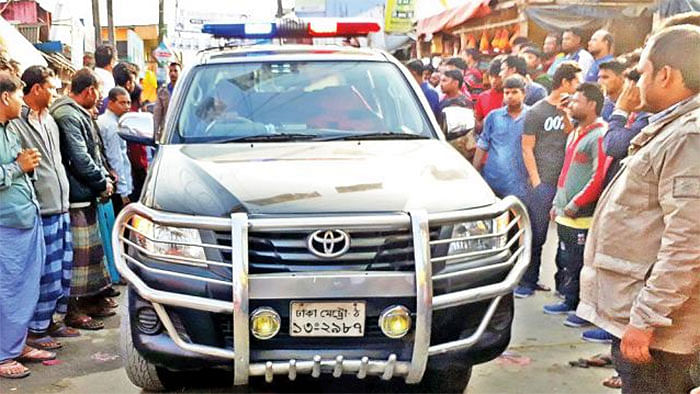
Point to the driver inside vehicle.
(225, 106)
(344, 108)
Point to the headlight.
(167, 234)
(481, 231)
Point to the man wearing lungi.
(21, 246)
(37, 129)
(88, 180)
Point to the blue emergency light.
(292, 28)
(242, 30)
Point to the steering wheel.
(220, 121)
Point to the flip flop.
(34, 355)
(613, 382)
(99, 312)
(7, 366)
(600, 360)
(43, 342)
(110, 292)
(107, 303)
(84, 322)
(61, 330)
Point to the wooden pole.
(161, 20)
(280, 11)
(96, 22)
(110, 23)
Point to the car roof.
(262, 53)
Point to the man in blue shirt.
(571, 42)
(504, 169)
(416, 68)
(119, 102)
(600, 46)
(516, 65)
(22, 253)
(611, 78)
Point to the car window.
(320, 99)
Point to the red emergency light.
(331, 28)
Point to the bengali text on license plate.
(327, 319)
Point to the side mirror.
(137, 127)
(458, 121)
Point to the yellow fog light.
(265, 323)
(395, 321)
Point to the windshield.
(300, 101)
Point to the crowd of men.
(609, 149)
(64, 174)
(606, 147)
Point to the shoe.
(576, 322)
(110, 292)
(542, 287)
(523, 292)
(597, 335)
(559, 295)
(560, 308)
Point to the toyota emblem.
(328, 244)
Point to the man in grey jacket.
(88, 180)
(641, 274)
(37, 129)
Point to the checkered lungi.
(89, 273)
(56, 271)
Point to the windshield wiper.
(265, 138)
(376, 136)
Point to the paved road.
(540, 351)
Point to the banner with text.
(399, 16)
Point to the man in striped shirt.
(578, 189)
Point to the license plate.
(327, 319)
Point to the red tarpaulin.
(454, 16)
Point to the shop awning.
(17, 47)
(454, 17)
(59, 61)
(593, 16)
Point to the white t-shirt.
(106, 78)
(584, 59)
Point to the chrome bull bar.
(245, 286)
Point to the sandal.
(98, 311)
(84, 322)
(34, 355)
(541, 287)
(613, 382)
(61, 330)
(94, 307)
(43, 342)
(11, 369)
(600, 360)
(107, 303)
(110, 292)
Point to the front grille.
(270, 252)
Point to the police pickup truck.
(304, 214)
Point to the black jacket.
(80, 148)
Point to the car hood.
(314, 177)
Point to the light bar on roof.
(319, 27)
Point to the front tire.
(444, 377)
(140, 372)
